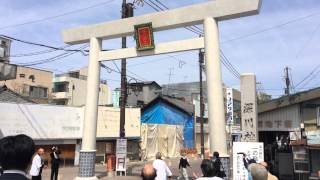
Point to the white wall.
(43, 122)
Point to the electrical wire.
(55, 58)
(198, 31)
(56, 16)
(308, 76)
(43, 45)
(113, 70)
(37, 52)
(272, 27)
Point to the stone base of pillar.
(87, 164)
(225, 161)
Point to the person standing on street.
(184, 163)
(15, 156)
(218, 165)
(208, 171)
(55, 161)
(37, 165)
(161, 167)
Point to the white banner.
(121, 146)
(121, 155)
(252, 150)
(229, 106)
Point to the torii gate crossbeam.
(205, 13)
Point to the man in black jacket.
(15, 156)
(55, 161)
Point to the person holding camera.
(55, 161)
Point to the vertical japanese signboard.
(252, 151)
(229, 106)
(249, 108)
(121, 155)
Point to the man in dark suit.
(55, 161)
(15, 156)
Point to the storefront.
(313, 146)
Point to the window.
(22, 75)
(61, 87)
(38, 92)
(32, 78)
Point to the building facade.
(35, 84)
(70, 89)
(62, 126)
(290, 129)
(5, 46)
(141, 93)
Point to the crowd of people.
(18, 152)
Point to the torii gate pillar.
(207, 13)
(217, 121)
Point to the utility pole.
(169, 80)
(287, 79)
(201, 60)
(127, 11)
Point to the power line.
(113, 70)
(56, 16)
(43, 45)
(312, 78)
(308, 76)
(272, 27)
(198, 31)
(37, 52)
(55, 58)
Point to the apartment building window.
(22, 75)
(62, 87)
(38, 92)
(32, 78)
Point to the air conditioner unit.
(2, 52)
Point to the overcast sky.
(285, 33)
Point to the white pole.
(88, 150)
(217, 124)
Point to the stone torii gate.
(208, 13)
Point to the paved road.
(134, 170)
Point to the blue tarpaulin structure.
(170, 111)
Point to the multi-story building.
(5, 45)
(35, 84)
(70, 89)
(141, 93)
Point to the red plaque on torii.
(144, 37)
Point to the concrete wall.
(48, 122)
(109, 122)
(21, 84)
